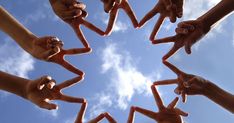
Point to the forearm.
(16, 30)
(220, 96)
(215, 14)
(13, 84)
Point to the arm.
(16, 30)
(219, 96)
(13, 84)
(217, 13)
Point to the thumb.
(49, 106)
(188, 47)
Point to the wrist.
(204, 25)
(207, 88)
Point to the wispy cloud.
(119, 26)
(14, 60)
(42, 12)
(125, 80)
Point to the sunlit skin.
(166, 114)
(112, 7)
(190, 32)
(73, 13)
(39, 91)
(81, 115)
(48, 48)
(172, 9)
(189, 84)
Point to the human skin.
(166, 114)
(172, 9)
(112, 8)
(189, 84)
(48, 48)
(39, 91)
(81, 114)
(190, 32)
(74, 14)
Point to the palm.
(166, 8)
(41, 91)
(169, 114)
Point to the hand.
(50, 49)
(188, 33)
(67, 10)
(187, 83)
(41, 91)
(108, 5)
(170, 113)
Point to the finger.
(130, 13)
(108, 5)
(179, 5)
(170, 53)
(79, 5)
(71, 99)
(157, 27)
(189, 83)
(173, 68)
(184, 96)
(181, 31)
(49, 106)
(187, 47)
(51, 84)
(173, 103)
(93, 28)
(157, 98)
(173, 13)
(54, 42)
(84, 14)
(81, 36)
(71, 14)
(180, 112)
(98, 118)
(164, 40)
(186, 25)
(81, 113)
(109, 118)
(43, 80)
(47, 55)
(168, 4)
(147, 113)
(166, 82)
(112, 20)
(148, 16)
(177, 90)
(70, 82)
(70, 67)
(75, 51)
(131, 115)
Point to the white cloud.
(14, 60)
(44, 11)
(125, 80)
(119, 26)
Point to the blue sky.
(121, 67)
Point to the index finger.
(70, 82)
(165, 40)
(171, 52)
(173, 68)
(69, 67)
(75, 51)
